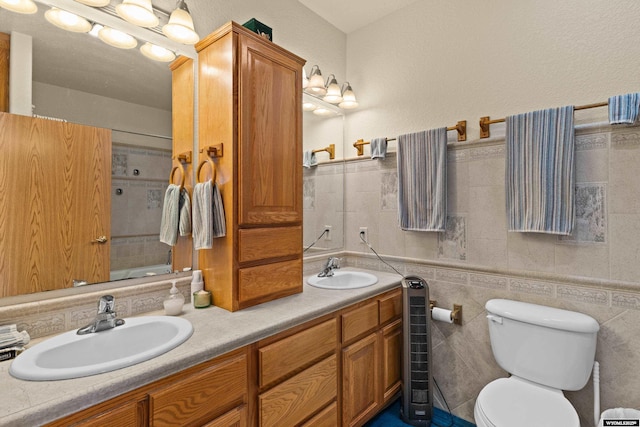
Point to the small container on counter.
(201, 299)
(174, 302)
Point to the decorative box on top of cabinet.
(249, 100)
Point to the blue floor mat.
(391, 418)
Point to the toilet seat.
(513, 401)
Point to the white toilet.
(546, 350)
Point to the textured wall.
(595, 271)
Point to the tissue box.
(259, 28)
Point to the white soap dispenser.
(174, 302)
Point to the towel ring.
(173, 171)
(212, 165)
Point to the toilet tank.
(545, 345)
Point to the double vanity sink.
(71, 355)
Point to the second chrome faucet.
(106, 317)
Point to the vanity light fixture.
(180, 26)
(316, 82)
(67, 20)
(323, 111)
(19, 6)
(308, 106)
(348, 97)
(117, 38)
(138, 12)
(333, 95)
(95, 3)
(305, 80)
(157, 53)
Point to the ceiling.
(59, 59)
(351, 15)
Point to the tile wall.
(595, 271)
(140, 177)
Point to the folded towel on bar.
(624, 108)
(422, 180)
(309, 159)
(540, 171)
(184, 220)
(170, 215)
(378, 148)
(208, 215)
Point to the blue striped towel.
(169, 222)
(624, 108)
(422, 180)
(540, 177)
(378, 148)
(208, 215)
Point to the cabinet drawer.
(390, 306)
(359, 321)
(262, 243)
(281, 358)
(127, 415)
(199, 397)
(237, 417)
(266, 282)
(327, 418)
(292, 401)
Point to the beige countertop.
(216, 331)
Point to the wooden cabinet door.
(54, 209)
(360, 380)
(270, 135)
(391, 360)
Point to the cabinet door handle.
(101, 240)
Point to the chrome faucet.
(105, 319)
(332, 264)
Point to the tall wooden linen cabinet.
(249, 109)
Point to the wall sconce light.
(67, 20)
(308, 106)
(348, 97)
(180, 26)
(138, 12)
(19, 6)
(117, 38)
(316, 82)
(157, 53)
(333, 95)
(330, 92)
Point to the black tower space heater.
(417, 393)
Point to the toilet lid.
(509, 402)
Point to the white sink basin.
(69, 355)
(344, 280)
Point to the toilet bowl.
(545, 350)
(516, 402)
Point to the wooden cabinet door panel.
(281, 358)
(270, 181)
(255, 244)
(391, 360)
(360, 362)
(328, 417)
(359, 321)
(264, 282)
(237, 417)
(196, 399)
(291, 402)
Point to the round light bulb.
(138, 12)
(19, 6)
(157, 53)
(67, 20)
(117, 38)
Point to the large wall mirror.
(323, 186)
(80, 79)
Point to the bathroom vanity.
(319, 358)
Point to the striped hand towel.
(540, 177)
(202, 215)
(208, 215)
(422, 180)
(170, 215)
(184, 226)
(624, 108)
(378, 148)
